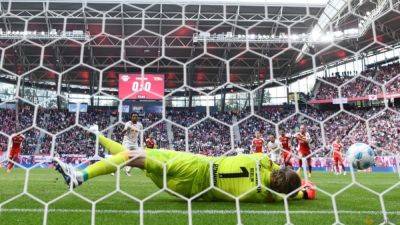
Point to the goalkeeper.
(188, 174)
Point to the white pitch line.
(196, 211)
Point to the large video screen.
(151, 86)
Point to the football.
(361, 156)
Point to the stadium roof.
(312, 3)
(143, 47)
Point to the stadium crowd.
(211, 137)
(359, 86)
(208, 137)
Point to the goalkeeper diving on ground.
(189, 174)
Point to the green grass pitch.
(355, 205)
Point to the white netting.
(246, 68)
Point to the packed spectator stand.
(369, 83)
(211, 137)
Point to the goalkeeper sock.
(111, 146)
(103, 167)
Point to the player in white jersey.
(273, 147)
(131, 136)
(240, 149)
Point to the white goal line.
(105, 211)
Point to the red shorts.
(337, 159)
(286, 158)
(286, 155)
(15, 152)
(304, 153)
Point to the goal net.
(204, 78)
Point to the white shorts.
(131, 147)
(273, 156)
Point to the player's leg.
(336, 166)
(289, 161)
(286, 159)
(111, 146)
(13, 158)
(127, 169)
(343, 168)
(283, 159)
(309, 166)
(151, 161)
(10, 166)
(102, 167)
(300, 169)
(107, 166)
(106, 156)
(339, 166)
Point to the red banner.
(151, 86)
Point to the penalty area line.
(106, 211)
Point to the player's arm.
(127, 127)
(308, 191)
(308, 137)
(305, 139)
(139, 129)
(280, 146)
(290, 143)
(298, 137)
(265, 146)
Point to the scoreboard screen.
(150, 87)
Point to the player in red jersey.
(258, 142)
(286, 153)
(15, 150)
(337, 147)
(303, 146)
(150, 142)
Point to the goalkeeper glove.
(309, 190)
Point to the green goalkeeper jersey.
(190, 174)
(237, 175)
